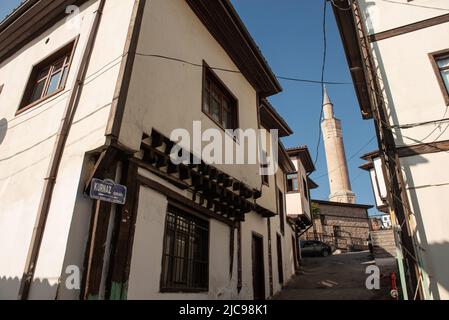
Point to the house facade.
(299, 184)
(105, 90)
(399, 64)
(345, 226)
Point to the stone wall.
(346, 228)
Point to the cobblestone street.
(338, 277)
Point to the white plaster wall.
(144, 281)
(268, 199)
(385, 15)
(167, 95)
(254, 223)
(413, 95)
(296, 202)
(428, 187)
(25, 152)
(411, 87)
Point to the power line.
(416, 5)
(323, 88)
(338, 7)
(394, 2)
(417, 124)
(349, 159)
(193, 64)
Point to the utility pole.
(397, 194)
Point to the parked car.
(313, 248)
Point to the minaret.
(340, 186)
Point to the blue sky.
(289, 33)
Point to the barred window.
(185, 263)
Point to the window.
(218, 102)
(266, 179)
(1, 88)
(337, 231)
(264, 169)
(185, 261)
(48, 77)
(281, 211)
(440, 62)
(292, 182)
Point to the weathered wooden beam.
(257, 194)
(172, 168)
(184, 172)
(157, 140)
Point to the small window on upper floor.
(1, 88)
(47, 77)
(264, 168)
(440, 61)
(218, 102)
(292, 183)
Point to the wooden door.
(258, 268)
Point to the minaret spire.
(328, 106)
(337, 166)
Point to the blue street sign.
(107, 190)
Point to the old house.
(95, 91)
(399, 65)
(345, 226)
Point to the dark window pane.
(218, 102)
(206, 101)
(443, 63)
(58, 65)
(292, 182)
(226, 120)
(37, 92)
(445, 75)
(64, 77)
(215, 110)
(42, 75)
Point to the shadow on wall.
(9, 288)
(439, 251)
(3, 129)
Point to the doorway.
(258, 267)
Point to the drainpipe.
(58, 150)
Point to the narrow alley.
(338, 277)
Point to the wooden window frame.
(209, 73)
(66, 52)
(265, 177)
(168, 287)
(434, 57)
(298, 190)
(281, 207)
